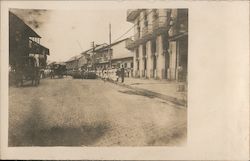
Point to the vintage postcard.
(123, 80)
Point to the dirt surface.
(71, 112)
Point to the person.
(105, 75)
(180, 73)
(128, 73)
(117, 74)
(122, 73)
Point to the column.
(173, 60)
(141, 63)
(160, 59)
(134, 63)
(149, 60)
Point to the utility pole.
(93, 55)
(109, 50)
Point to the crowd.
(113, 74)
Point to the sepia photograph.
(97, 77)
(124, 80)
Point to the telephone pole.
(93, 55)
(109, 50)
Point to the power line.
(79, 44)
(132, 27)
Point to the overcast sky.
(67, 33)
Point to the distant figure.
(180, 73)
(52, 74)
(122, 73)
(128, 72)
(105, 75)
(117, 74)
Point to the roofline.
(25, 24)
(123, 58)
(114, 43)
(76, 58)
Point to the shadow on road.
(140, 93)
(35, 132)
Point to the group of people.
(114, 74)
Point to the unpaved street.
(75, 112)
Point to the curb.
(153, 94)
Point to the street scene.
(75, 84)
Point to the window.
(145, 19)
(125, 65)
(132, 65)
(138, 28)
(155, 14)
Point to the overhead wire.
(132, 27)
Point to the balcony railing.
(129, 43)
(36, 48)
(132, 14)
(137, 36)
(159, 23)
(146, 30)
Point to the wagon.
(58, 69)
(27, 71)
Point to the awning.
(179, 36)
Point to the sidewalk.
(167, 90)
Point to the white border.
(218, 98)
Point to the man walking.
(122, 72)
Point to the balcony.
(160, 25)
(137, 36)
(129, 43)
(132, 14)
(147, 31)
(36, 48)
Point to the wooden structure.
(26, 55)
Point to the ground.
(75, 112)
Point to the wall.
(120, 51)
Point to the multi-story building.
(24, 42)
(160, 43)
(114, 55)
(73, 63)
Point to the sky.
(69, 32)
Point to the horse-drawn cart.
(58, 69)
(29, 70)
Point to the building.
(73, 63)
(160, 43)
(79, 62)
(24, 42)
(115, 55)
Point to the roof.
(17, 24)
(106, 47)
(74, 58)
(85, 52)
(124, 53)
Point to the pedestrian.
(105, 75)
(180, 73)
(117, 73)
(122, 73)
(52, 74)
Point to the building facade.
(73, 63)
(114, 55)
(24, 42)
(160, 43)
